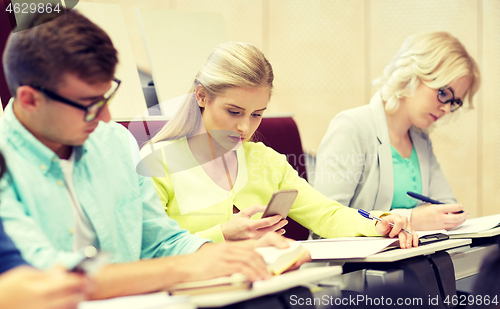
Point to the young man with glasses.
(72, 173)
(52, 289)
(371, 156)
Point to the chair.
(281, 134)
(7, 23)
(143, 131)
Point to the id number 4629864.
(32, 7)
(470, 300)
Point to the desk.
(467, 260)
(381, 268)
(278, 284)
(459, 250)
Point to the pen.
(367, 215)
(423, 198)
(427, 200)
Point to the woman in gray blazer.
(373, 154)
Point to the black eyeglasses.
(91, 111)
(445, 95)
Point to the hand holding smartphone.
(280, 204)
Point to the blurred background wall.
(325, 53)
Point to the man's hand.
(27, 287)
(224, 259)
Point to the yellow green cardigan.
(267, 171)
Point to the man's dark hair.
(71, 43)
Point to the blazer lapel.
(383, 200)
(423, 159)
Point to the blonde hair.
(435, 59)
(231, 64)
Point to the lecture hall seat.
(280, 133)
(7, 23)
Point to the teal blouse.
(406, 178)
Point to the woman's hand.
(400, 222)
(241, 227)
(438, 217)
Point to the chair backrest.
(281, 134)
(143, 131)
(7, 23)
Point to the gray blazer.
(354, 161)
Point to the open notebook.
(471, 227)
(476, 225)
(347, 247)
(360, 247)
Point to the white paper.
(301, 276)
(347, 247)
(424, 233)
(148, 301)
(476, 225)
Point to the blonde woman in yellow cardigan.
(213, 180)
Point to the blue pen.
(423, 198)
(427, 200)
(368, 215)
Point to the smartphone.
(429, 239)
(280, 203)
(90, 261)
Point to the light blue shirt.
(122, 206)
